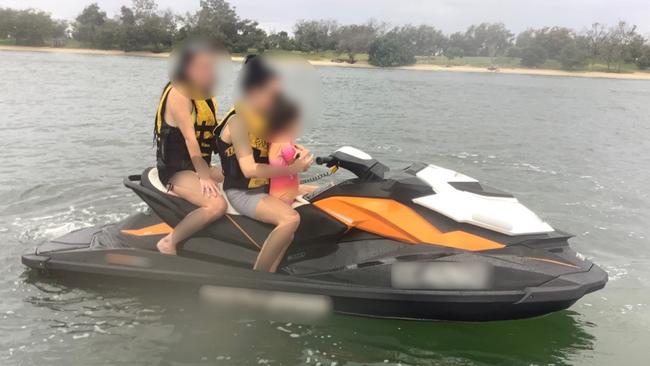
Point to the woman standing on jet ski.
(184, 133)
(243, 148)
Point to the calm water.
(577, 151)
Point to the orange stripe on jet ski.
(157, 229)
(394, 220)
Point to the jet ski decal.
(394, 220)
(157, 229)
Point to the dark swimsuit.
(172, 155)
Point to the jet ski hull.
(75, 257)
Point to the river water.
(577, 151)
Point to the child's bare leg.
(306, 188)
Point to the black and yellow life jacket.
(172, 154)
(233, 175)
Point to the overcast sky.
(448, 15)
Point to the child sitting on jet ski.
(284, 128)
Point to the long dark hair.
(255, 73)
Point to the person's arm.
(251, 169)
(180, 108)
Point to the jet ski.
(423, 242)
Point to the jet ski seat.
(154, 180)
(150, 178)
(171, 209)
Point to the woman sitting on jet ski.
(184, 134)
(243, 146)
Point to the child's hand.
(302, 164)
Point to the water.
(575, 150)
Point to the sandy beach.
(421, 67)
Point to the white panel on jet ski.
(353, 151)
(501, 214)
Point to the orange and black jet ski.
(423, 242)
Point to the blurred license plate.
(441, 275)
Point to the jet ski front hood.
(464, 200)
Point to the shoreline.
(363, 65)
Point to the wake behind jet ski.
(423, 242)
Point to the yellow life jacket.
(204, 115)
(234, 177)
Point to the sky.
(448, 15)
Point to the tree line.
(142, 26)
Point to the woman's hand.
(209, 187)
(303, 163)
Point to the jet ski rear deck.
(352, 240)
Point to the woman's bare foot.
(166, 246)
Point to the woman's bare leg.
(286, 220)
(186, 185)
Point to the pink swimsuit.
(286, 187)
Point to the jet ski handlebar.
(357, 162)
(324, 160)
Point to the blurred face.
(201, 71)
(294, 128)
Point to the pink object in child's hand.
(288, 152)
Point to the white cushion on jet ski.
(501, 214)
(155, 181)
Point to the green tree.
(388, 51)
(128, 37)
(218, 21)
(533, 56)
(425, 40)
(144, 9)
(452, 52)
(215, 20)
(315, 35)
(30, 27)
(596, 37)
(487, 39)
(643, 61)
(459, 41)
(554, 40)
(144, 27)
(7, 23)
(88, 24)
(106, 37)
(353, 39)
(573, 57)
(249, 37)
(616, 44)
(280, 41)
(534, 46)
(634, 50)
